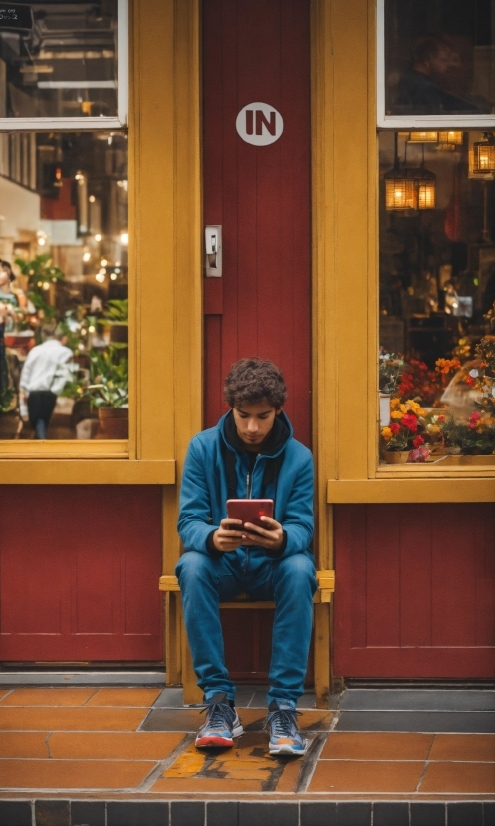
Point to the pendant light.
(426, 182)
(450, 140)
(484, 154)
(401, 191)
(423, 137)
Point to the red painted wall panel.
(415, 591)
(79, 569)
(258, 50)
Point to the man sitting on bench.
(250, 454)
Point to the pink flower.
(419, 454)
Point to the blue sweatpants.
(206, 581)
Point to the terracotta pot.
(396, 457)
(113, 422)
(9, 422)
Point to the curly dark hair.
(254, 380)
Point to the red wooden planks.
(79, 581)
(415, 593)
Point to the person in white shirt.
(45, 373)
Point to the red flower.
(469, 380)
(473, 420)
(410, 421)
(418, 441)
(440, 418)
(395, 427)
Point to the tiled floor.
(94, 742)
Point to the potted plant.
(389, 370)
(109, 391)
(402, 435)
(116, 314)
(476, 436)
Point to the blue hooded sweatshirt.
(205, 490)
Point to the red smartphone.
(250, 510)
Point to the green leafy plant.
(41, 271)
(7, 396)
(108, 378)
(117, 311)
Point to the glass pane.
(439, 57)
(63, 285)
(58, 60)
(437, 293)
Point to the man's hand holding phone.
(269, 537)
(229, 536)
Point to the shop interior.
(63, 279)
(437, 294)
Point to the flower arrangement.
(476, 435)
(481, 373)
(418, 381)
(403, 432)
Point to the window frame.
(404, 122)
(89, 123)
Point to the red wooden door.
(79, 569)
(258, 50)
(415, 592)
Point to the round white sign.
(259, 124)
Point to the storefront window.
(63, 61)
(436, 299)
(63, 285)
(436, 59)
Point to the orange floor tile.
(72, 719)
(48, 697)
(376, 746)
(459, 778)
(73, 774)
(474, 747)
(24, 744)
(138, 745)
(137, 697)
(366, 776)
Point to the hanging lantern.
(401, 190)
(450, 140)
(484, 154)
(423, 137)
(426, 182)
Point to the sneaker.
(222, 724)
(283, 730)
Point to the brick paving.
(117, 743)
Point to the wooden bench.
(178, 657)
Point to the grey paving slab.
(476, 722)
(170, 698)
(414, 699)
(173, 719)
